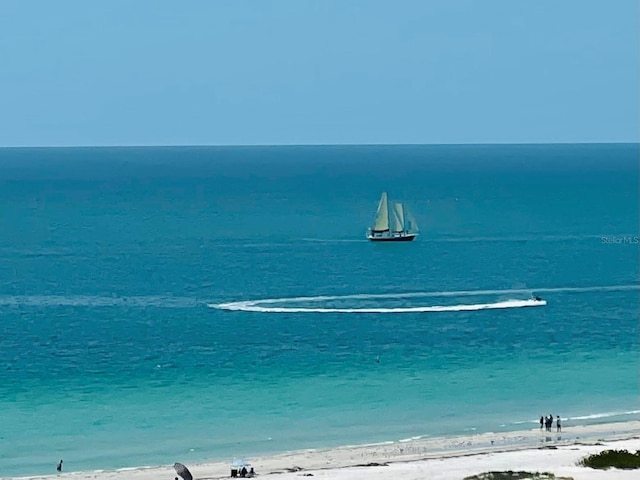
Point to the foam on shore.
(434, 458)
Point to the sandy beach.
(413, 459)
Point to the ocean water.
(114, 263)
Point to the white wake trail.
(98, 301)
(264, 304)
(256, 307)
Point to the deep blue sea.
(110, 355)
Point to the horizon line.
(257, 145)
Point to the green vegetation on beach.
(622, 459)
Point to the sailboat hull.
(401, 238)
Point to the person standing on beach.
(59, 467)
(546, 423)
(558, 426)
(541, 422)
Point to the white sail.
(382, 215)
(410, 223)
(397, 218)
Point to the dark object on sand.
(59, 467)
(509, 475)
(622, 459)
(182, 471)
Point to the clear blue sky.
(264, 72)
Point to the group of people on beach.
(243, 472)
(548, 423)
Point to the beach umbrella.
(183, 471)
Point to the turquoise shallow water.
(110, 356)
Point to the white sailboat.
(393, 223)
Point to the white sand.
(436, 459)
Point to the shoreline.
(332, 463)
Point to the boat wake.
(97, 301)
(317, 304)
(280, 305)
(258, 306)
